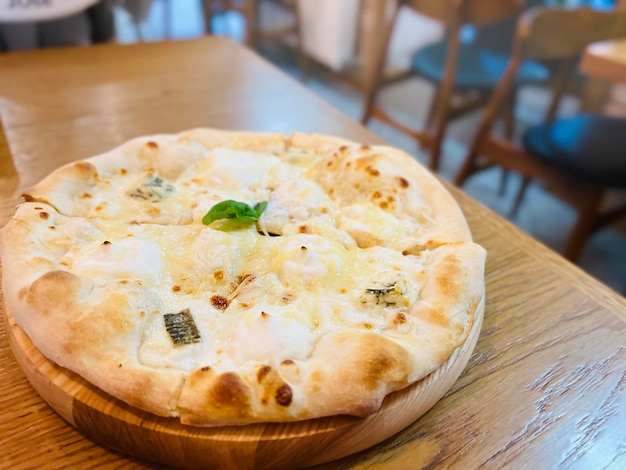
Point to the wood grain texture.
(545, 386)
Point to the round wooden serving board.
(134, 432)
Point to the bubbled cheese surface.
(314, 263)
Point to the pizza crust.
(78, 273)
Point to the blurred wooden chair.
(250, 11)
(578, 158)
(453, 66)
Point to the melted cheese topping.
(267, 293)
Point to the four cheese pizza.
(227, 277)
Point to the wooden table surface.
(546, 384)
(606, 59)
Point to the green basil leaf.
(242, 214)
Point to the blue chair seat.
(589, 147)
(476, 68)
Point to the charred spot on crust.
(219, 302)
(265, 315)
(284, 395)
(106, 242)
(403, 182)
(218, 275)
(152, 145)
(262, 373)
(176, 288)
(372, 171)
(287, 362)
(205, 369)
(44, 215)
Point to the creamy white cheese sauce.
(254, 298)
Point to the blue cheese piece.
(153, 189)
(390, 290)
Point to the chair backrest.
(557, 34)
(476, 12)
(550, 34)
(560, 35)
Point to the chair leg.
(303, 61)
(442, 104)
(489, 115)
(509, 115)
(249, 11)
(432, 110)
(509, 133)
(368, 108)
(207, 12)
(520, 196)
(584, 224)
(504, 181)
(375, 71)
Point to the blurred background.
(386, 64)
